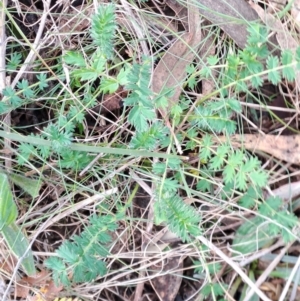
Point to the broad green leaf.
(19, 245)
(31, 186)
(8, 208)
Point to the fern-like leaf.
(103, 29)
(182, 219)
(84, 255)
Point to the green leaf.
(257, 34)
(75, 160)
(288, 71)
(13, 98)
(83, 256)
(26, 90)
(206, 72)
(122, 76)
(182, 219)
(60, 139)
(4, 108)
(99, 62)
(213, 60)
(139, 115)
(174, 163)
(103, 28)
(241, 178)
(59, 271)
(249, 199)
(85, 74)
(14, 62)
(31, 186)
(137, 119)
(234, 104)
(19, 246)
(297, 58)
(74, 58)
(8, 208)
(109, 85)
(159, 168)
(259, 178)
(170, 185)
(206, 147)
(139, 80)
(212, 267)
(205, 184)
(150, 138)
(215, 289)
(42, 77)
(218, 160)
(75, 114)
(190, 69)
(256, 81)
(161, 102)
(25, 151)
(274, 74)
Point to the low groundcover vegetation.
(109, 187)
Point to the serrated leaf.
(74, 58)
(213, 60)
(229, 173)
(274, 74)
(249, 199)
(137, 119)
(174, 163)
(241, 179)
(122, 76)
(289, 73)
(109, 85)
(256, 81)
(159, 168)
(13, 98)
(103, 28)
(234, 104)
(99, 63)
(85, 74)
(258, 178)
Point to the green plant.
(240, 173)
(83, 256)
(250, 65)
(13, 235)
